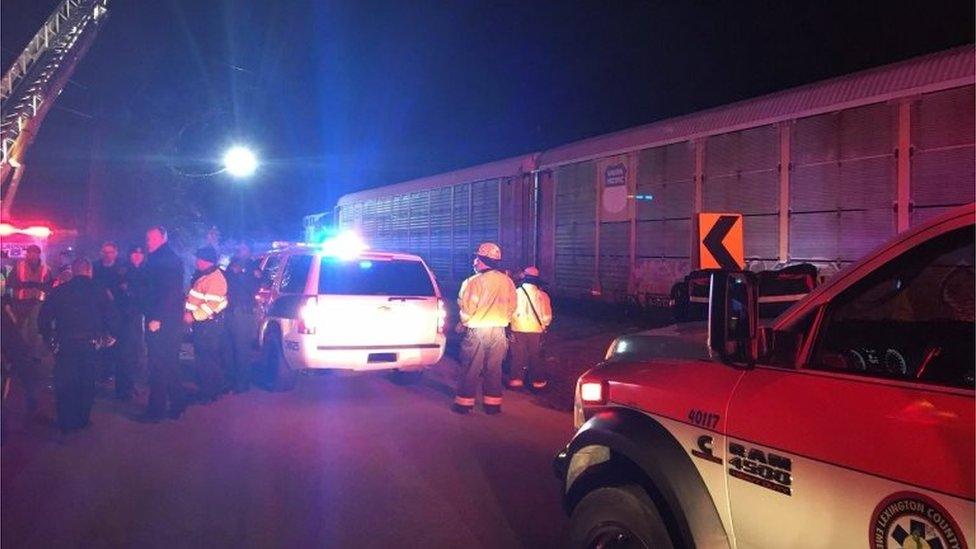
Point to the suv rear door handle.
(406, 298)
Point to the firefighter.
(204, 308)
(533, 314)
(243, 284)
(29, 283)
(164, 331)
(131, 303)
(76, 320)
(487, 302)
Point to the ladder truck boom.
(34, 81)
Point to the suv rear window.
(374, 277)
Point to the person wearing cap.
(131, 303)
(243, 284)
(30, 282)
(487, 302)
(533, 314)
(164, 329)
(204, 307)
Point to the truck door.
(866, 435)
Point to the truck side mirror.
(733, 307)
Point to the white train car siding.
(822, 174)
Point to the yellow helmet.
(489, 250)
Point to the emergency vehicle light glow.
(308, 316)
(591, 392)
(37, 231)
(346, 245)
(441, 316)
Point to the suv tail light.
(308, 316)
(441, 316)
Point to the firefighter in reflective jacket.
(533, 314)
(205, 304)
(487, 303)
(29, 283)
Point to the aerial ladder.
(34, 81)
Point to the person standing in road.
(243, 284)
(108, 276)
(131, 304)
(76, 320)
(204, 308)
(30, 282)
(487, 302)
(164, 329)
(533, 314)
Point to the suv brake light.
(308, 316)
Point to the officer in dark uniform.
(107, 274)
(164, 328)
(131, 304)
(75, 320)
(243, 283)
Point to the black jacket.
(135, 289)
(77, 309)
(241, 289)
(164, 285)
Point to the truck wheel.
(281, 376)
(407, 378)
(618, 516)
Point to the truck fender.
(665, 465)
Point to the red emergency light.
(37, 231)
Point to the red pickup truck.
(846, 422)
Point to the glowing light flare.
(346, 246)
(441, 316)
(592, 392)
(240, 161)
(37, 231)
(309, 316)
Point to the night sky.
(340, 96)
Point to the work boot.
(458, 409)
(493, 409)
(148, 417)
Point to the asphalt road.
(342, 461)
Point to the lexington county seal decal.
(908, 520)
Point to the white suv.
(353, 311)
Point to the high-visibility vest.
(24, 274)
(208, 296)
(533, 312)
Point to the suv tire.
(281, 377)
(618, 516)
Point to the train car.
(443, 218)
(821, 174)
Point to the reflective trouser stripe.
(463, 401)
(493, 401)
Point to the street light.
(239, 161)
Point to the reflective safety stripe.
(492, 401)
(539, 384)
(191, 307)
(206, 308)
(206, 297)
(515, 383)
(462, 401)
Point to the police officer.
(533, 314)
(29, 282)
(75, 319)
(487, 302)
(164, 329)
(131, 304)
(243, 284)
(205, 304)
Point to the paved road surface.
(343, 461)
